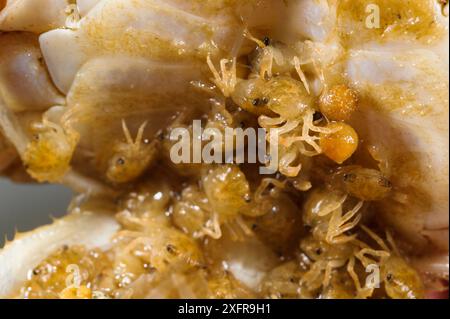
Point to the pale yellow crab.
(132, 158)
(48, 156)
(400, 280)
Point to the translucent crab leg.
(213, 69)
(361, 292)
(361, 255)
(375, 237)
(352, 273)
(249, 36)
(240, 222)
(339, 224)
(346, 227)
(335, 207)
(298, 68)
(308, 122)
(349, 215)
(341, 240)
(285, 165)
(216, 232)
(226, 80)
(302, 149)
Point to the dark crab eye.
(260, 102)
(350, 178)
(267, 41)
(121, 161)
(171, 249)
(384, 182)
(389, 277)
(256, 102)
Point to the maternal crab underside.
(92, 93)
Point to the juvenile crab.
(400, 280)
(48, 156)
(325, 259)
(131, 158)
(323, 211)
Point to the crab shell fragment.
(131, 59)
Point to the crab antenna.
(213, 68)
(126, 132)
(249, 36)
(140, 134)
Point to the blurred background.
(25, 207)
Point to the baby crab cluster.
(220, 200)
(337, 260)
(339, 250)
(224, 202)
(289, 106)
(48, 156)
